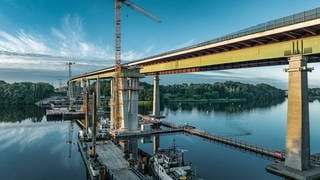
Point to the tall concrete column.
(297, 133)
(133, 103)
(84, 85)
(156, 97)
(94, 125)
(121, 122)
(123, 103)
(71, 94)
(98, 92)
(112, 106)
(78, 89)
(125, 118)
(86, 111)
(88, 86)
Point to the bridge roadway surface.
(266, 44)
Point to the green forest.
(314, 93)
(229, 91)
(216, 92)
(24, 92)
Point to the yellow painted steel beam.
(309, 45)
(262, 52)
(95, 76)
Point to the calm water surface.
(31, 148)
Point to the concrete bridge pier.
(133, 100)
(79, 88)
(297, 156)
(76, 89)
(85, 109)
(88, 86)
(126, 117)
(70, 94)
(156, 97)
(84, 85)
(298, 131)
(98, 92)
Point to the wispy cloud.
(71, 40)
(24, 50)
(25, 135)
(22, 43)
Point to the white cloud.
(23, 50)
(22, 43)
(24, 133)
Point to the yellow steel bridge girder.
(262, 52)
(101, 76)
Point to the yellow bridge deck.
(266, 44)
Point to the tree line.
(222, 90)
(24, 92)
(314, 93)
(219, 91)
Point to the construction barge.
(107, 162)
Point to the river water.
(32, 148)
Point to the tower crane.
(117, 76)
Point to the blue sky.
(83, 31)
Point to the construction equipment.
(116, 88)
(118, 25)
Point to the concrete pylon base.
(280, 169)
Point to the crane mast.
(117, 26)
(117, 81)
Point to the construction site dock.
(112, 160)
(242, 145)
(172, 128)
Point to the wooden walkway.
(273, 153)
(145, 133)
(220, 139)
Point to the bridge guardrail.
(269, 25)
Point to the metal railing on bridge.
(273, 24)
(285, 21)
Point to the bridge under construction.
(292, 40)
